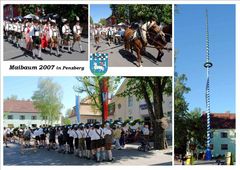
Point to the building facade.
(223, 133)
(87, 113)
(21, 113)
(123, 108)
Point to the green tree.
(103, 21)
(92, 87)
(152, 90)
(47, 99)
(91, 20)
(143, 12)
(180, 115)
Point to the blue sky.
(190, 47)
(24, 88)
(99, 11)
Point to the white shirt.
(87, 133)
(82, 133)
(40, 131)
(107, 131)
(145, 131)
(53, 32)
(71, 133)
(96, 133)
(66, 29)
(77, 29)
(75, 134)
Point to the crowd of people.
(90, 141)
(34, 35)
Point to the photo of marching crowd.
(132, 35)
(64, 121)
(45, 32)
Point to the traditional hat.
(64, 20)
(77, 19)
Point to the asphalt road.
(118, 57)
(11, 53)
(128, 156)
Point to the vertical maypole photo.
(208, 65)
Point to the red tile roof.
(221, 120)
(19, 106)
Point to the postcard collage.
(96, 83)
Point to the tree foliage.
(152, 90)
(47, 99)
(65, 11)
(102, 21)
(143, 12)
(92, 87)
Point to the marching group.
(40, 34)
(112, 34)
(90, 141)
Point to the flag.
(105, 98)
(77, 111)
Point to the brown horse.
(156, 37)
(133, 44)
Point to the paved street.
(118, 57)
(11, 53)
(198, 162)
(128, 156)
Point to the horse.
(167, 29)
(154, 36)
(135, 43)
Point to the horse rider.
(77, 30)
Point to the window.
(10, 117)
(130, 101)
(22, 117)
(211, 146)
(91, 120)
(224, 146)
(224, 135)
(34, 117)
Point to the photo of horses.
(132, 35)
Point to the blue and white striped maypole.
(208, 65)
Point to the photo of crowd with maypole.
(45, 32)
(132, 35)
(111, 121)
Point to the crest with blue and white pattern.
(99, 63)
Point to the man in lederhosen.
(66, 35)
(75, 138)
(88, 130)
(82, 136)
(35, 34)
(70, 139)
(77, 31)
(96, 141)
(18, 32)
(54, 36)
(107, 131)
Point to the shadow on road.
(12, 156)
(128, 56)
